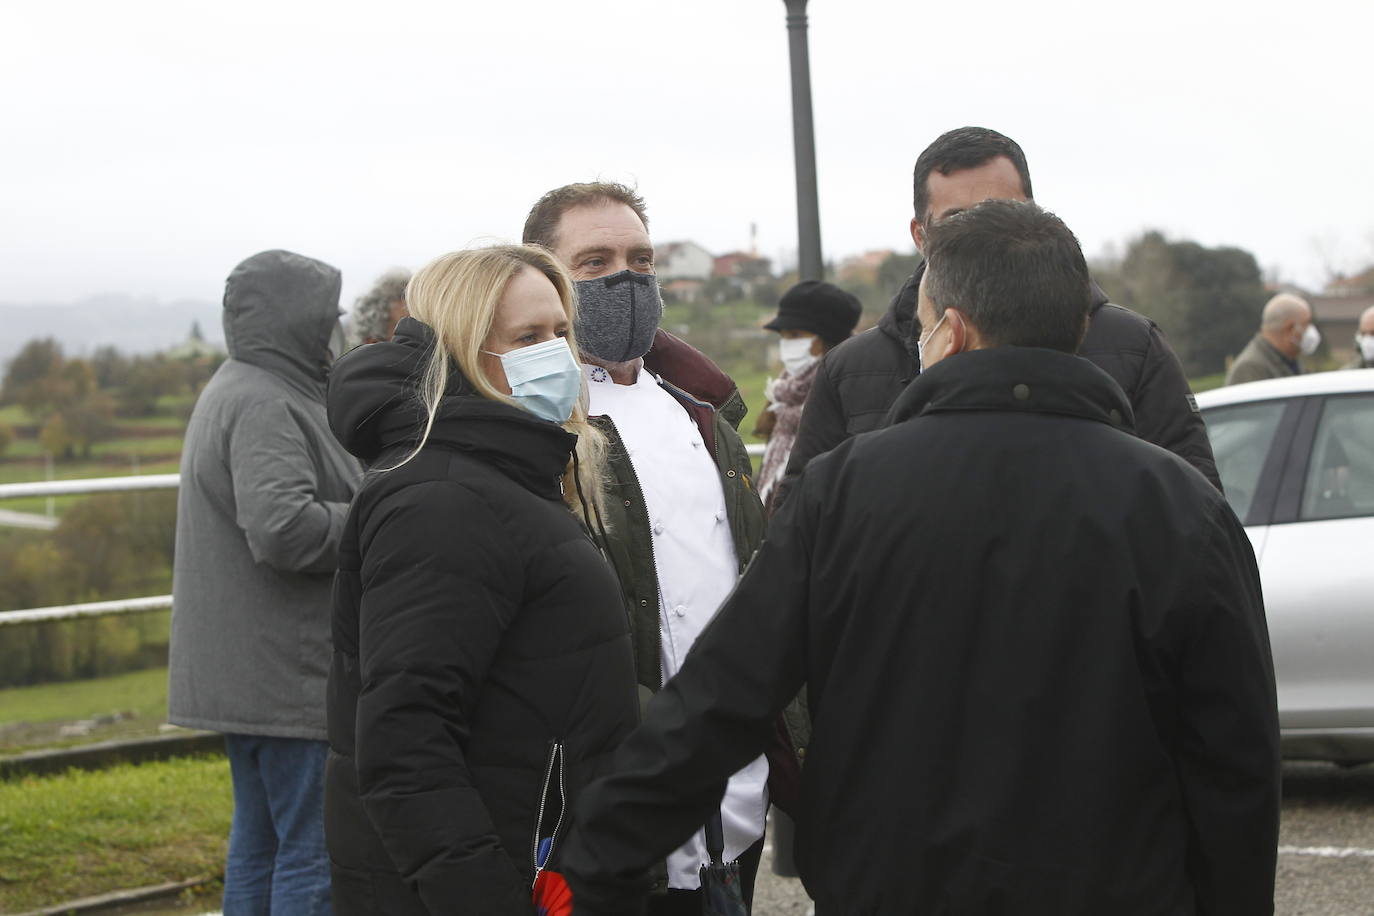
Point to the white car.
(1296, 456)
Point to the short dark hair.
(1015, 271)
(541, 226)
(963, 148)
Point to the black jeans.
(688, 903)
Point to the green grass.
(751, 381)
(31, 717)
(160, 420)
(140, 692)
(160, 446)
(1207, 382)
(80, 834)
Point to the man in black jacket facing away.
(1034, 645)
(857, 382)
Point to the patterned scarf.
(785, 400)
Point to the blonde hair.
(457, 295)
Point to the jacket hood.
(279, 310)
(375, 408)
(899, 321)
(1099, 297)
(1017, 379)
(900, 318)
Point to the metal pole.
(809, 267)
(809, 264)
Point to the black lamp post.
(809, 265)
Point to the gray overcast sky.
(149, 146)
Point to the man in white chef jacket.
(682, 517)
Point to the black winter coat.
(1036, 659)
(475, 626)
(858, 382)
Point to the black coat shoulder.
(1135, 353)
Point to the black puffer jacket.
(859, 380)
(1040, 678)
(475, 625)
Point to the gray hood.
(279, 310)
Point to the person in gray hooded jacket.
(264, 491)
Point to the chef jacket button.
(627, 504)
(801, 753)
(730, 473)
(643, 602)
(720, 517)
(658, 529)
(680, 611)
(1021, 392)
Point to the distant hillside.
(133, 325)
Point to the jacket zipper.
(556, 758)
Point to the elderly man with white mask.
(1286, 331)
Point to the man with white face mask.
(812, 317)
(1286, 331)
(860, 380)
(682, 518)
(1364, 342)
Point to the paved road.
(1326, 848)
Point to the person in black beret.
(813, 316)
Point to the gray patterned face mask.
(617, 315)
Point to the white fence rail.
(89, 485)
(93, 609)
(109, 485)
(78, 486)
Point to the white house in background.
(683, 261)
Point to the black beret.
(821, 308)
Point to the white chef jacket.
(694, 555)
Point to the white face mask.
(1365, 343)
(544, 378)
(1311, 339)
(796, 354)
(925, 339)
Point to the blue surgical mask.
(544, 378)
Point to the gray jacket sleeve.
(277, 504)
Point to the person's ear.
(918, 234)
(959, 337)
